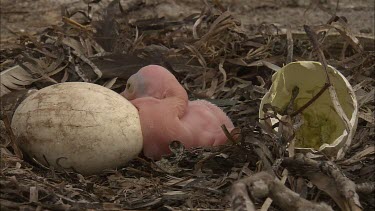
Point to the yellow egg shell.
(78, 126)
(321, 126)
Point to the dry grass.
(214, 58)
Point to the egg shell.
(80, 126)
(322, 125)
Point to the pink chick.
(167, 115)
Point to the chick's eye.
(129, 87)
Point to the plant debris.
(217, 59)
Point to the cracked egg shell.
(79, 126)
(321, 127)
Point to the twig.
(302, 108)
(332, 92)
(312, 36)
(289, 38)
(264, 184)
(228, 134)
(240, 199)
(365, 188)
(267, 203)
(76, 24)
(289, 107)
(328, 178)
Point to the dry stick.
(338, 108)
(263, 184)
(228, 134)
(365, 188)
(302, 108)
(314, 41)
(311, 101)
(332, 92)
(315, 44)
(240, 199)
(267, 203)
(341, 189)
(293, 98)
(75, 24)
(312, 36)
(289, 57)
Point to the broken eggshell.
(79, 126)
(322, 128)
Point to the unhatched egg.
(80, 126)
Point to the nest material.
(214, 58)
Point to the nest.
(214, 58)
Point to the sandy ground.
(30, 15)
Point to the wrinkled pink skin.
(167, 115)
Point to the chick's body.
(167, 115)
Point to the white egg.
(80, 126)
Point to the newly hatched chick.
(167, 115)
